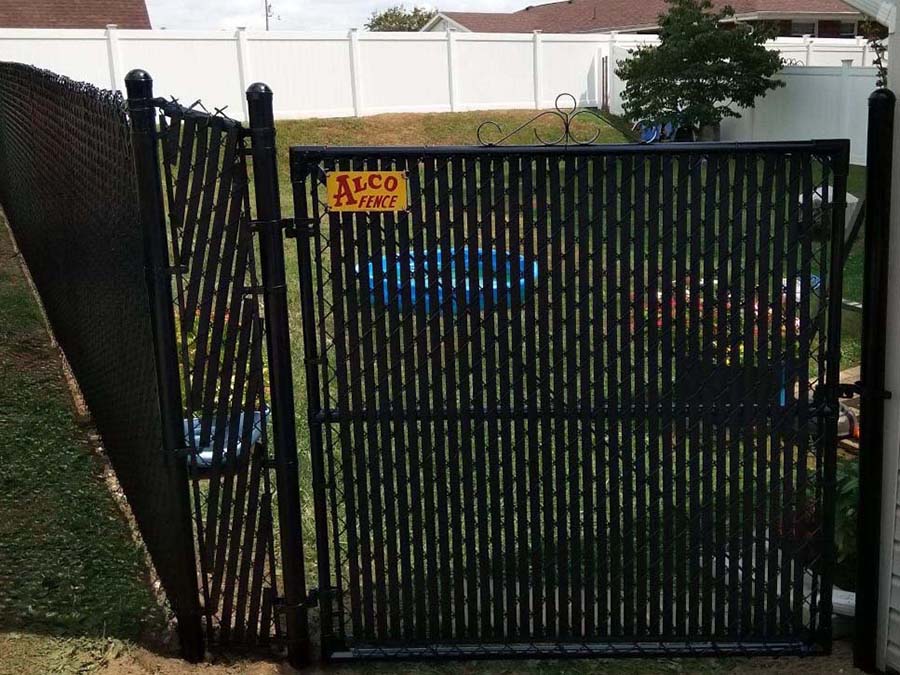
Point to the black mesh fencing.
(67, 186)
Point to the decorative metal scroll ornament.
(567, 112)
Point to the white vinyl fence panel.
(79, 54)
(409, 76)
(312, 76)
(495, 72)
(815, 102)
(190, 66)
(356, 73)
(571, 64)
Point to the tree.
(399, 18)
(701, 72)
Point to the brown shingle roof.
(578, 16)
(73, 13)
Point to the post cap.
(882, 94)
(259, 88)
(138, 75)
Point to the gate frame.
(304, 158)
(871, 387)
(269, 225)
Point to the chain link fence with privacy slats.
(216, 289)
(67, 186)
(566, 401)
(576, 401)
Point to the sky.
(295, 14)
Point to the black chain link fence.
(67, 186)
(576, 401)
(570, 402)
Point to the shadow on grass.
(69, 566)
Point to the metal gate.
(218, 308)
(575, 400)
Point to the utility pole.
(267, 8)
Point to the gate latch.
(315, 595)
(311, 601)
(286, 224)
(854, 389)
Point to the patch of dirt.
(27, 654)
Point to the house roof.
(578, 16)
(73, 13)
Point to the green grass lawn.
(425, 129)
(853, 279)
(69, 567)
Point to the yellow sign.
(367, 191)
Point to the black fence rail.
(68, 189)
(575, 401)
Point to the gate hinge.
(260, 289)
(311, 602)
(184, 453)
(854, 389)
(176, 269)
(316, 595)
(304, 226)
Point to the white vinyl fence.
(824, 102)
(355, 73)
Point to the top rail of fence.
(828, 146)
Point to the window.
(848, 29)
(837, 29)
(781, 28)
(801, 28)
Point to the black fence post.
(281, 380)
(156, 265)
(875, 276)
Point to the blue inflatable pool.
(204, 458)
(405, 266)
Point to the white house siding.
(892, 642)
(888, 638)
(441, 26)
